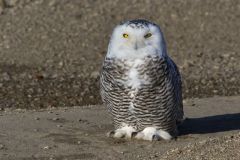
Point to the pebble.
(35, 130)
(153, 156)
(91, 97)
(37, 118)
(226, 55)
(82, 120)
(94, 74)
(61, 64)
(55, 119)
(55, 75)
(199, 54)
(46, 147)
(5, 76)
(2, 146)
(215, 91)
(59, 125)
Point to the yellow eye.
(125, 35)
(148, 35)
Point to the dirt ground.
(212, 131)
(51, 53)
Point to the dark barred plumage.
(157, 102)
(137, 23)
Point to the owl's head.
(136, 39)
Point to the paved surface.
(211, 132)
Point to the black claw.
(156, 137)
(134, 134)
(123, 136)
(111, 133)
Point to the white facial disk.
(136, 39)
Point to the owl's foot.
(153, 134)
(124, 132)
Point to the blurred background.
(51, 51)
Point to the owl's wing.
(177, 83)
(110, 89)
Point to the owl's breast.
(134, 78)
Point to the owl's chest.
(135, 74)
(140, 74)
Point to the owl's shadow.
(210, 124)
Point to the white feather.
(148, 133)
(134, 81)
(125, 130)
(123, 48)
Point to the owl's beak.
(136, 46)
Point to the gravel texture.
(51, 51)
(221, 148)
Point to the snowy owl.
(140, 84)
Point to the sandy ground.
(51, 51)
(211, 132)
